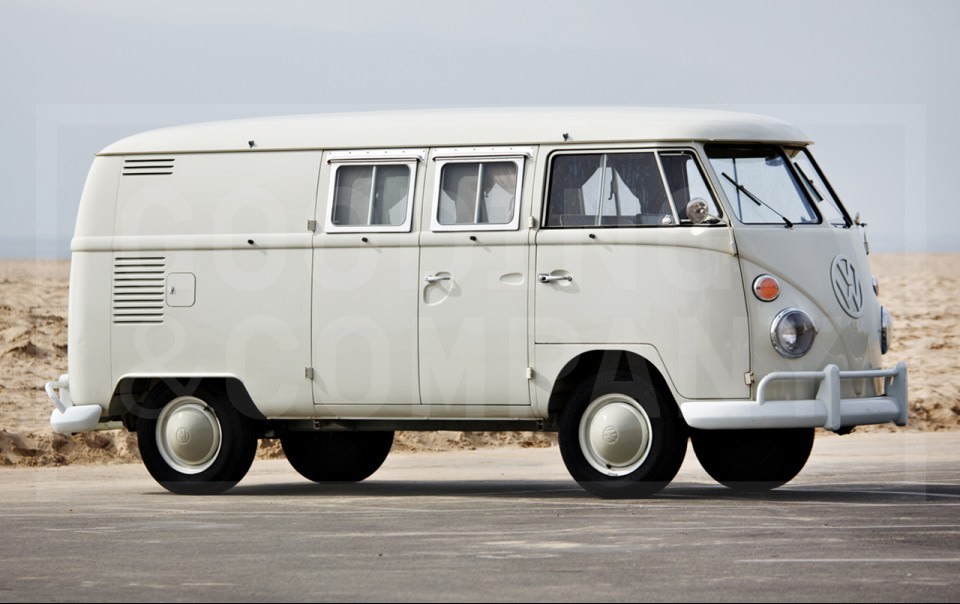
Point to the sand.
(922, 292)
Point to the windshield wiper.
(757, 200)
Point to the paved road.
(872, 517)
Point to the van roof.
(461, 127)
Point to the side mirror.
(698, 211)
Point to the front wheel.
(753, 460)
(336, 456)
(195, 444)
(621, 438)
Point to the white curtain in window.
(499, 193)
(390, 195)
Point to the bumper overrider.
(826, 410)
(68, 418)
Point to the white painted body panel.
(89, 328)
(459, 128)
(677, 289)
(88, 336)
(365, 342)
(473, 328)
(251, 316)
(250, 321)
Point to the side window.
(607, 189)
(686, 182)
(371, 197)
(478, 195)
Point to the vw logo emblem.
(846, 286)
(610, 434)
(183, 436)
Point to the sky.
(874, 84)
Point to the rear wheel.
(621, 438)
(753, 460)
(336, 456)
(195, 444)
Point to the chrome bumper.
(68, 418)
(827, 410)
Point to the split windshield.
(761, 185)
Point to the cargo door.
(365, 282)
(474, 280)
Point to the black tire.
(336, 456)
(753, 460)
(659, 460)
(227, 465)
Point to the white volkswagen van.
(629, 278)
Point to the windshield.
(830, 207)
(761, 187)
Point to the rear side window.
(608, 189)
(371, 197)
(478, 195)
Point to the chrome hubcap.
(615, 434)
(188, 435)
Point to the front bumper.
(68, 418)
(827, 410)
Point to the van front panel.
(807, 283)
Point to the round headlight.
(792, 333)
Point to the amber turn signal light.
(766, 288)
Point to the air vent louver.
(139, 284)
(148, 167)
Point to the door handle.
(436, 278)
(545, 278)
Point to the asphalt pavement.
(871, 517)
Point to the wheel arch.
(589, 364)
(132, 390)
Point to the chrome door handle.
(436, 278)
(545, 278)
